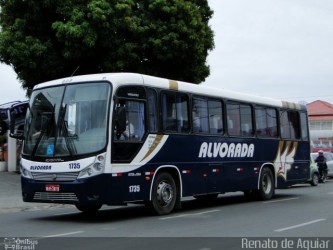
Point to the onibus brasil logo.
(20, 244)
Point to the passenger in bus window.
(129, 132)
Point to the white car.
(329, 161)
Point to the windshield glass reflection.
(67, 120)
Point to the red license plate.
(52, 188)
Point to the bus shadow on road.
(136, 211)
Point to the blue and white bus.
(118, 138)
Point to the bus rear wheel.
(266, 185)
(164, 194)
(88, 208)
(314, 180)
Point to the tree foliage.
(44, 40)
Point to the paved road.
(11, 198)
(300, 211)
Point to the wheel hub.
(164, 193)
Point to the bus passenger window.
(266, 122)
(175, 112)
(284, 125)
(294, 124)
(135, 121)
(271, 115)
(239, 119)
(246, 120)
(233, 119)
(215, 117)
(152, 107)
(304, 126)
(290, 125)
(261, 122)
(200, 115)
(207, 116)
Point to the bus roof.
(152, 81)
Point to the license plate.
(52, 188)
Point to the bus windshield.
(67, 120)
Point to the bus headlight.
(26, 173)
(94, 169)
(98, 167)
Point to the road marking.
(184, 215)
(330, 193)
(299, 225)
(281, 200)
(64, 234)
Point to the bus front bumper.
(90, 191)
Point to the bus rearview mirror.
(121, 119)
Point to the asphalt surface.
(11, 198)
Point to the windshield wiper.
(46, 126)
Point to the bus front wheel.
(266, 185)
(164, 194)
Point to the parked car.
(314, 173)
(329, 161)
(15, 109)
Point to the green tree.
(44, 40)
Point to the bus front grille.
(48, 196)
(55, 176)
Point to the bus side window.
(215, 117)
(272, 127)
(284, 125)
(130, 125)
(168, 114)
(207, 116)
(294, 121)
(261, 122)
(289, 124)
(304, 126)
(233, 112)
(239, 119)
(266, 122)
(152, 110)
(246, 120)
(175, 112)
(200, 115)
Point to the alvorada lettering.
(218, 149)
(40, 167)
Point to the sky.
(276, 48)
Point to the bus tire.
(89, 209)
(314, 180)
(164, 194)
(266, 185)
